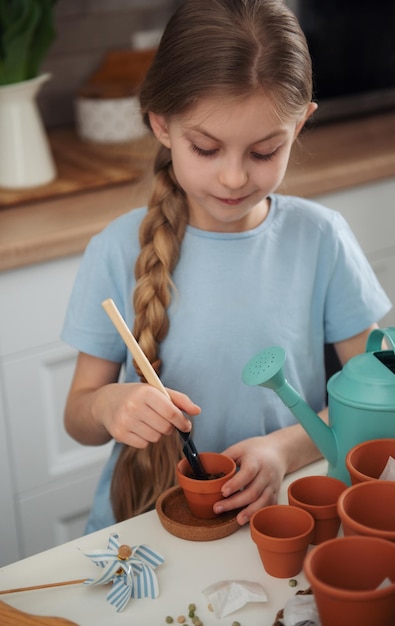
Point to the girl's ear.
(311, 108)
(159, 128)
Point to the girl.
(217, 267)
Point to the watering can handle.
(375, 339)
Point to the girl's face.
(228, 156)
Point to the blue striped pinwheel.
(130, 569)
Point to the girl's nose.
(233, 174)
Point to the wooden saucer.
(176, 518)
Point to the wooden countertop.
(327, 158)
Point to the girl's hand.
(99, 408)
(258, 480)
(137, 414)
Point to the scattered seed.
(235, 623)
(292, 582)
(181, 619)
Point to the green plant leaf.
(19, 23)
(43, 36)
(26, 32)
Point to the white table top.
(189, 567)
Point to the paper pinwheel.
(130, 569)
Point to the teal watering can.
(361, 398)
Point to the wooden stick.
(47, 586)
(151, 376)
(153, 379)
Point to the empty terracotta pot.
(345, 574)
(367, 460)
(202, 494)
(318, 495)
(282, 534)
(369, 509)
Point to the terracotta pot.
(369, 509)
(318, 495)
(367, 460)
(345, 574)
(202, 494)
(282, 534)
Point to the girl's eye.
(263, 157)
(201, 152)
(255, 155)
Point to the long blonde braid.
(141, 475)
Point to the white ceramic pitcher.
(25, 155)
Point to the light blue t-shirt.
(298, 280)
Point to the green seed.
(169, 619)
(192, 607)
(235, 623)
(292, 582)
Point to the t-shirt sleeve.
(355, 299)
(87, 326)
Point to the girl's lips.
(232, 201)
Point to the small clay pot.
(318, 495)
(345, 574)
(282, 534)
(369, 509)
(201, 495)
(367, 460)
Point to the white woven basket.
(109, 120)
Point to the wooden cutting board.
(9, 616)
(81, 166)
(119, 75)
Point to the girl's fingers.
(167, 411)
(243, 501)
(184, 403)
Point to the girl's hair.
(210, 48)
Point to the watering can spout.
(266, 370)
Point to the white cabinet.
(8, 530)
(370, 211)
(48, 480)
